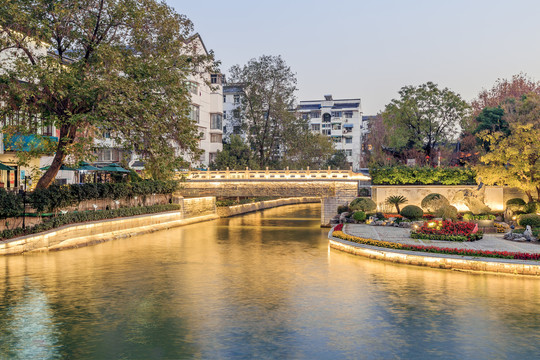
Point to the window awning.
(349, 126)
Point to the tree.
(396, 200)
(424, 118)
(303, 148)
(514, 160)
(491, 120)
(338, 161)
(119, 65)
(268, 95)
(236, 155)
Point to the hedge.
(56, 196)
(406, 175)
(79, 217)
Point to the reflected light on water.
(263, 285)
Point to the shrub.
(11, 204)
(447, 212)
(406, 175)
(412, 212)
(363, 204)
(529, 219)
(359, 216)
(343, 208)
(433, 202)
(516, 201)
(78, 217)
(532, 208)
(469, 216)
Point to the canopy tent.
(5, 167)
(63, 168)
(84, 166)
(114, 168)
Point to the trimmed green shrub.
(434, 201)
(359, 216)
(469, 216)
(447, 212)
(516, 204)
(407, 175)
(532, 208)
(79, 217)
(56, 196)
(412, 212)
(363, 204)
(529, 219)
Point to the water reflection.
(263, 285)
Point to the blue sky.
(370, 49)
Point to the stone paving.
(400, 235)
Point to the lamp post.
(23, 193)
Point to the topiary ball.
(359, 216)
(433, 202)
(532, 208)
(447, 212)
(363, 204)
(412, 212)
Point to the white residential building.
(340, 119)
(207, 108)
(232, 97)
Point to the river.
(260, 286)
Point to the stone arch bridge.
(334, 187)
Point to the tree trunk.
(397, 208)
(529, 195)
(67, 136)
(538, 193)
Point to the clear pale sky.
(370, 49)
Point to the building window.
(348, 152)
(47, 130)
(370, 147)
(337, 139)
(212, 157)
(336, 114)
(194, 113)
(316, 127)
(203, 156)
(305, 116)
(348, 140)
(326, 117)
(202, 133)
(315, 114)
(237, 99)
(216, 121)
(215, 78)
(224, 98)
(336, 127)
(237, 129)
(326, 132)
(193, 87)
(236, 114)
(215, 138)
(348, 114)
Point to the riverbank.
(227, 211)
(433, 260)
(193, 210)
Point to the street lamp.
(23, 193)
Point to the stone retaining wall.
(438, 261)
(227, 211)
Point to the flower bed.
(448, 230)
(434, 249)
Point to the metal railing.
(275, 175)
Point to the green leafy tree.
(396, 200)
(338, 161)
(424, 118)
(120, 65)
(268, 95)
(303, 148)
(514, 160)
(236, 155)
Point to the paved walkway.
(400, 235)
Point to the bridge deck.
(274, 175)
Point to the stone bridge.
(335, 187)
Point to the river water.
(259, 286)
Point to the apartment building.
(340, 119)
(232, 97)
(206, 108)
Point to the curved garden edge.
(438, 261)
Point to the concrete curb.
(437, 261)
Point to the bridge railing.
(275, 175)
